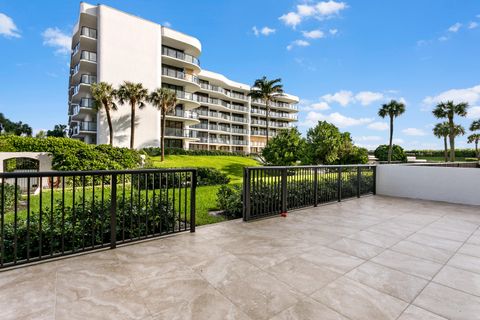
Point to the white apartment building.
(213, 112)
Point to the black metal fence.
(270, 191)
(72, 212)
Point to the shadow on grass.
(234, 169)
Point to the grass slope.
(207, 195)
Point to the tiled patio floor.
(370, 258)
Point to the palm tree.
(164, 100)
(475, 138)
(442, 130)
(392, 109)
(104, 98)
(135, 94)
(268, 91)
(448, 110)
(475, 125)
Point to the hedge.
(463, 153)
(156, 151)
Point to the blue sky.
(343, 59)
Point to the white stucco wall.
(129, 49)
(455, 185)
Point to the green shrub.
(381, 153)
(8, 200)
(461, 153)
(471, 159)
(211, 176)
(74, 155)
(229, 199)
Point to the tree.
(104, 98)
(41, 134)
(16, 128)
(392, 109)
(284, 149)
(442, 130)
(448, 110)
(164, 100)
(397, 153)
(135, 95)
(268, 91)
(475, 138)
(475, 125)
(60, 131)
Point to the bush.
(285, 149)
(156, 151)
(73, 155)
(8, 201)
(211, 176)
(381, 153)
(462, 153)
(229, 199)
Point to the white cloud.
(414, 132)
(321, 10)
(367, 97)
(307, 105)
(398, 141)
(455, 27)
(8, 27)
(291, 19)
(336, 118)
(378, 126)
(470, 95)
(314, 34)
(167, 24)
(54, 37)
(342, 97)
(321, 106)
(333, 31)
(367, 138)
(474, 112)
(443, 38)
(266, 31)
(298, 43)
(330, 8)
(472, 25)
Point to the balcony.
(89, 56)
(88, 33)
(239, 142)
(84, 127)
(189, 100)
(86, 105)
(219, 128)
(188, 117)
(178, 58)
(221, 103)
(88, 79)
(277, 104)
(179, 133)
(239, 131)
(180, 78)
(287, 116)
(225, 92)
(219, 141)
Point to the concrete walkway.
(370, 258)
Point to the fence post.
(246, 194)
(359, 175)
(284, 192)
(315, 186)
(193, 194)
(374, 191)
(113, 213)
(339, 184)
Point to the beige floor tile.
(470, 249)
(356, 248)
(465, 262)
(358, 301)
(459, 279)
(375, 239)
(302, 275)
(449, 303)
(408, 264)
(445, 233)
(387, 280)
(421, 251)
(474, 239)
(332, 259)
(308, 309)
(260, 295)
(416, 313)
(436, 242)
(118, 303)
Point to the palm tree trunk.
(162, 135)
(452, 140)
(268, 117)
(445, 145)
(391, 141)
(110, 126)
(132, 126)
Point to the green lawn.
(439, 159)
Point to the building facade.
(213, 112)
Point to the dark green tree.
(398, 154)
(16, 128)
(60, 131)
(285, 149)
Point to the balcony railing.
(219, 140)
(183, 114)
(240, 131)
(87, 126)
(222, 103)
(180, 55)
(186, 95)
(239, 142)
(219, 128)
(277, 104)
(76, 49)
(226, 92)
(177, 132)
(88, 79)
(88, 32)
(89, 56)
(239, 119)
(203, 126)
(179, 75)
(75, 69)
(274, 114)
(270, 191)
